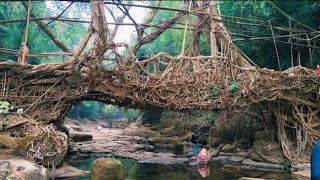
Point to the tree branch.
(152, 14)
(57, 16)
(288, 16)
(16, 125)
(155, 34)
(48, 32)
(125, 11)
(100, 27)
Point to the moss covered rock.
(9, 142)
(265, 151)
(230, 148)
(107, 168)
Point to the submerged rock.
(67, 171)
(228, 159)
(107, 168)
(264, 165)
(22, 169)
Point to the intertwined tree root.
(47, 147)
(226, 79)
(38, 142)
(185, 83)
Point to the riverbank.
(147, 146)
(133, 142)
(142, 144)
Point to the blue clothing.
(195, 149)
(315, 177)
(315, 162)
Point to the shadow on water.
(139, 171)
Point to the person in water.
(315, 162)
(318, 69)
(203, 156)
(204, 170)
(195, 145)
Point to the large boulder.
(107, 168)
(264, 151)
(22, 169)
(230, 148)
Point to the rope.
(275, 46)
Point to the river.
(141, 171)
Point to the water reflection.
(204, 170)
(138, 171)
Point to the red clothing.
(318, 70)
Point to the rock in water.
(107, 168)
(228, 148)
(22, 169)
(76, 137)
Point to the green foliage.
(20, 111)
(233, 87)
(4, 174)
(170, 41)
(11, 34)
(93, 110)
(212, 117)
(113, 112)
(262, 52)
(5, 107)
(132, 114)
(191, 120)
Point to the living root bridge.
(224, 80)
(46, 92)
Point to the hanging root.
(298, 129)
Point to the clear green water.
(138, 171)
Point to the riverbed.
(144, 171)
(144, 158)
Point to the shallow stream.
(140, 171)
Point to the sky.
(124, 32)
